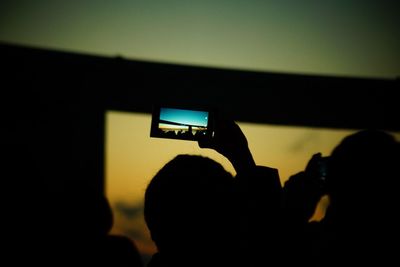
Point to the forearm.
(243, 161)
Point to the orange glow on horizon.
(133, 158)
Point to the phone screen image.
(177, 123)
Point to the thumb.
(205, 143)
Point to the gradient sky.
(189, 117)
(334, 37)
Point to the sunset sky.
(332, 37)
(133, 158)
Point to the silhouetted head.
(189, 208)
(362, 172)
(81, 211)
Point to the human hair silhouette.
(200, 215)
(360, 223)
(189, 211)
(363, 169)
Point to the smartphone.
(323, 167)
(182, 123)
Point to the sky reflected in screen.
(187, 117)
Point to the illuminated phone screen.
(178, 123)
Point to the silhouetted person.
(189, 211)
(361, 224)
(52, 218)
(81, 231)
(190, 130)
(199, 215)
(301, 194)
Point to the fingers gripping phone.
(182, 123)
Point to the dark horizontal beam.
(261, 97)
